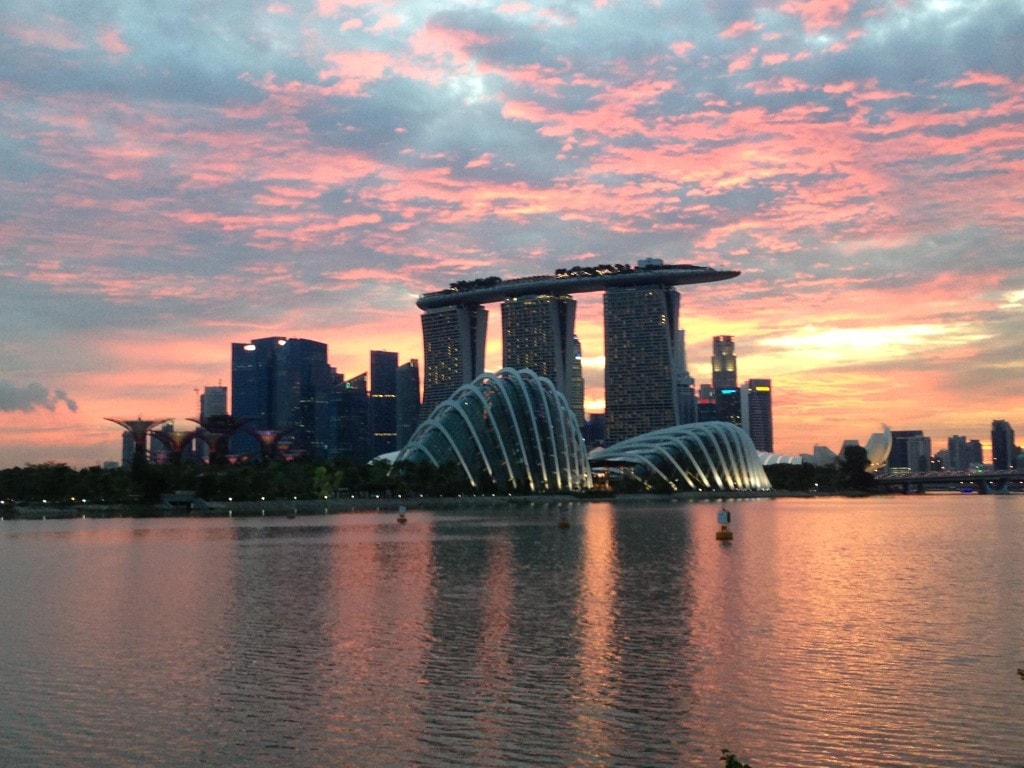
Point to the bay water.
(829, 632)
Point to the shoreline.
(309, 507)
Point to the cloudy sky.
(178, 175)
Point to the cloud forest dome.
(708, 456)
(512, 431)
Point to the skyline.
(178, 177)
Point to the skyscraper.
(723, 379)
(757, 413)
(453, 350)
(537, 333)
(383, 402)
(407, 396)
(282, 384)
(1004, 452)
(956, 451)
(642, 373)
(351, 419)
(213, 402)
(899, 455)
(919, 453)
(723, 363)
(687, 395)
(577, 386)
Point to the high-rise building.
(577, 386)
(453, 350)
(642, 371)
(919, 453)
(1004, 451)
(407, 396)
(899, 456)
(383, 402)
(723, 379)
(723, 363)
(537, 333)
(707, 409)
(213, 402)
(454, 335)
(756, 403)
(687, 395)
(282, 384)
(956, 453)
(351, 421)
(974, 453)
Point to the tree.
(853, 465)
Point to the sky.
(178, 175)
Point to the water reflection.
(823, 634)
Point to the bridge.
(984, 481)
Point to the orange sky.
(306, 169)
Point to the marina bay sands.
(644, 358)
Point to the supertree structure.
(176, 440)
(138, 429)
(270, 441)
(216, 431)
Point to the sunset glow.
(186, 175)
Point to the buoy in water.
(563, 522)
(723, 534)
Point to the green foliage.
(144, 482)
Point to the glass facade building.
(643, 372)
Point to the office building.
(723, 363)
(407, 396)
(956, 453)
(756, 405)
(351, 419)
(213, 407)
(707, 409)
(282, 384)
(1004, 451)
(919, 453)
(213, 402)
(642, 370)
(383, 402)
(723, 379)
(577, 386)
(687, 395)
(899, 456)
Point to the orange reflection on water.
(596, 617)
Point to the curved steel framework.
(512, 431)
(708, 456)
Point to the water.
(830, 632)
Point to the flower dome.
(707, 456)
(512, 431)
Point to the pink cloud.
(818, 15)
(57, 35)
(740, 28)
(111, 42)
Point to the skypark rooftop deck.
(568, 281)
